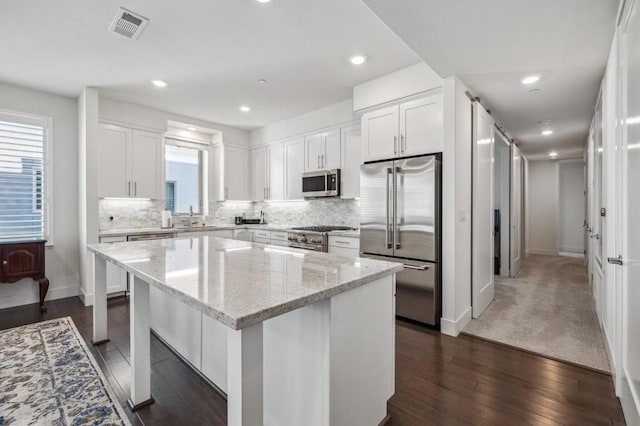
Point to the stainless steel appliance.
(324, 183)
(314, 238)
(400, 221)
(146, 237)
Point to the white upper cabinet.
(350, 159)
(259, 174)
(411, 128)
(421, 126)
(322, 151)
(236, 176)
(294, 159)
(380, 134)
(113, 163)
(275, 167)
(129, 163)
(146, 160)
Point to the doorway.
(502, 205)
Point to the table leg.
(140, 322)
(99, 301)
(245, 376)
(44, 287)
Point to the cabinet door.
(22, 261)
(259, 174)
(236, 182)
(116, 279)
(275, 165)
(421, 126)
(380, 134)
(146, 158)
(294, 159)
(314, 152)
(216, 172)
(113, 163)
(350, 162)
(331, 154)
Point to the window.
(184, 171)
(23, 177)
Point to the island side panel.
(363, 353)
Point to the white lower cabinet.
(116, 277)
(344, 246)
(178, 324)
(242, 234)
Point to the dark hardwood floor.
(440, 380)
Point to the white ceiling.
(493, 44)
(211, 52)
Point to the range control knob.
(303, 239)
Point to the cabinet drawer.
(279, 235)
(353, 243)
(261, 240)
(262, 234)
(113, 239)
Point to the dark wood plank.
(440, 380)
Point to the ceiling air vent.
(128, 24)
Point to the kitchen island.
(302, 337)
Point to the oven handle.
(306, 247)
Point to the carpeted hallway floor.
(548, 309)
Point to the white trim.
(570, 254)
(454, 327)
(87, 298)
(132, 126)
(33, 296)
(630, 410)
(337, 126)
(398, 101)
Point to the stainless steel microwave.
(324, 183)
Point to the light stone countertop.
(240, 283)
(219, 227)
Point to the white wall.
(62, 260)
(543, 207)
(456, 208)
(329, 116)
(571, 206)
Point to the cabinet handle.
(402, 144)
(226, 193)
(323, 166)
(135, 188)
(395, 144)
(341, 242)
(4, 262)
(319, 161)
(129, 190)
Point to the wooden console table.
(24, 259)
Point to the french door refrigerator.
(400, 222)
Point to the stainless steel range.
(314, 238)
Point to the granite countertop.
(355, 233)
(240, 283)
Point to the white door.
(516, 210)
(236, 180)
(597, 221)
(502, 200)
(314, 152)
(421, 126)
(113, 162)
(331, 146)
(482, 224)
(275, 167)
(259, 174)
(146, 157)
(380, 134)
(630, 201)
(294, 160)
(350, 159)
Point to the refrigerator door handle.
(387, 204)
(396, 171)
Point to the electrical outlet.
(154, 215)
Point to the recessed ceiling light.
(553, 154)
(358, 59)
(262, 81)
(547, 132)
(530, 79)
(244, 108)
(159, 83)
(263, 1)
(191, 128)
(544, 122)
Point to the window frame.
(203, 155)
(47, 164)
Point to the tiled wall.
(129, 214)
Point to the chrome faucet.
(190, 215)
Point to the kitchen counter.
(236, 282)
(219, 227)
(310, 327)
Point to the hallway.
(548, 309)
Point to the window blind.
(22, 179)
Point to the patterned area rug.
(49, 377)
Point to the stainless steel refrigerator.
(400, 222)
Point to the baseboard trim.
(86, 298)
(571, 254)
(33, 296)
(629, 408)
(543, 252)
(454, 327)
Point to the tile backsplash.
(128, 214)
